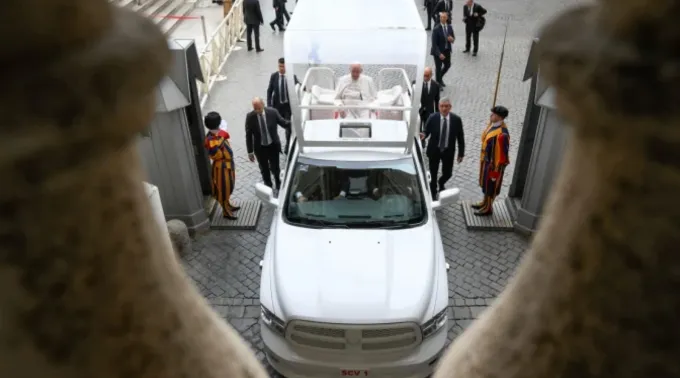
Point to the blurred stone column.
(598, 295)
(86, 289)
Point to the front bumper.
(418, 363)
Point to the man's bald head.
(356, 70)
(258, 104)
(427, 74)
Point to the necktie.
(283, 90)
(263, 130)
(446, 33)
(444, 136)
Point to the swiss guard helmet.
(500, 111)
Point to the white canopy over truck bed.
(385, 34)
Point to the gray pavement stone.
(224, 265)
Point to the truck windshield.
(380, 194)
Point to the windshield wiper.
(389, 224)
(318, 223)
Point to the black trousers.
(278, 19)
(268, 160)
(446, 159)
(250, 30)
(286, 112)
(285, 13)
(471, 35)
(441, 67)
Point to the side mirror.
(266, 195)
(446, 197)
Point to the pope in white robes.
(356, 89)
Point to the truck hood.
(354, 276)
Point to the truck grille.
(354, 338)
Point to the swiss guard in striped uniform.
(493, 160)
(223, 169)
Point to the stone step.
(180, 9)
(158, 9)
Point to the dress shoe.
(483, 213)
(230, 217)
(476, 206)
(271, 25)
(250, 49)
(474, 54)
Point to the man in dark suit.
(429, 98)
(277, 95)
(442, 40)
(279, 6)
(252, 15)
(444, 6)
(429, 7)
(444, 129)
(473, 17)
(262, 140)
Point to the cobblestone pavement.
(225, 264)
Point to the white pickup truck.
(354, 277)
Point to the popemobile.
(354, 277)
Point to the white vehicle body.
(354, 286)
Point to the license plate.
(353, 373)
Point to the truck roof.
(355, 15)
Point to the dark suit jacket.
(441, 7)
(273, 97)
(278, 3)
(429, 100)
(468, 18)
(439, 39)
(252, 13)
(430, 5)
(433, 130)
(253, 136)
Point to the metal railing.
(219, 47)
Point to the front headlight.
(433, 325)
(272, 321)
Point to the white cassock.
(356, 92)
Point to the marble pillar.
(598, 294)
(86, 289)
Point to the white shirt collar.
(445, 116)
(497, 123)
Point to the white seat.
(322, 96)
(394, 96)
